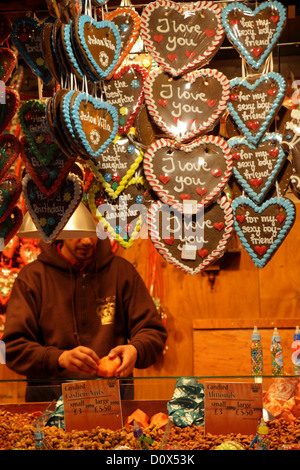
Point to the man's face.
(79, 249)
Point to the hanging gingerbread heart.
(8, 276)
(257, 166)
(48, 177)
(8, 108)
(98, 46)
(187, 106)
(262, 228)
(254, 103)
(50, 215)
(8, 61)
(32, 119)
(26, 36)
(254, 31)
(65, 10)
(47, 46)
(122, 219)
(10, 149)
(10, 191)
(191, 244)
(196, 172)
(10, 226)
(69, 50)
(181, 38)
(127, 21)
(116, 166)
(125, 91)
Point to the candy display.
(256, 354)
(276, 353)
(296, 351)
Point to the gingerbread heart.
(262, 228)
(187, 106)
(196, 172)
(254, 103)
(125, 91)
(5, 28)
(50, 215)
(70, 52)
(98, 46)
(32, 118)
(10, 191)
(26, 36)
(191, 245)
(181, 38)
(10, 226)
(257, 166)
(8, 276)
(115, 167)
(48, 177)
(254, 32)
(95, 123)
(123, 218)
(8, 61)
(127, 21)
(65, 11)
(9, 108)
(10, 149)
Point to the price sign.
(92, 403)
(232, 407)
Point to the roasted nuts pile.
(17, 432)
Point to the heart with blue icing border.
(95, 123)
(238, 18)
(99, 45)
(26, 36)
(254, 103)
(256, 166)
(262, 228)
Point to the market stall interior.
(177, 131)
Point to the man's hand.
(80, 359)
(128, 355)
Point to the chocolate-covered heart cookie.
(181, 38)
(256, 166)
(125, 91)
(10, 191)
(196, 172)
(9, 107)
(254, 31)
(187, 106)
(254, 103)
(10, 149)
(262, 228)
(191, 244)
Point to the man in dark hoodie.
(75, 304)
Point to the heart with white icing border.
(181, 38)
(26, 36)
(122, 219)
(256, 166)
(10, 149)
(125, 91)
(187, 106)
(254, 103)
(50, 215)
(127, 21)
(254, 32)
(11, 224)
(10, 191)
(8, 61)
(198, 171)
(262, 228)
(191, 245)
(117, 164)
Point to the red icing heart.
(256, 182)
(158, 38)
(274, 18)
(219, 225)
(272, 91)
(169, 240)
(234, 97)
(172, 57)
(261, 250)
(236, 156)
(201, 191)
(202, 253)
(185, 197)
(162, 102)
(257, 51)
(210, 33)
(216, 172)
(190, 54)
(280, 218)
(164, 178)
(240, 218)
(234, 22)
(211, 103)
(274, 152)
(253, 125)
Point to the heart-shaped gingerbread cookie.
(256, 166)
(127, 21)
(50, 215)
(187, 106)
(115, 167)
(8, 61)
(182, 38)
(125, 91)
(9, 108)
(123, 218)
(254, 103)
(10, 191)
(26, 36)
(262, 228)
(254, 31)
(10, 149)
(10, 226)
(191, 244)
(195, 172)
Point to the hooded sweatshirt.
(55, 306)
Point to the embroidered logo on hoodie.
(106, 310)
